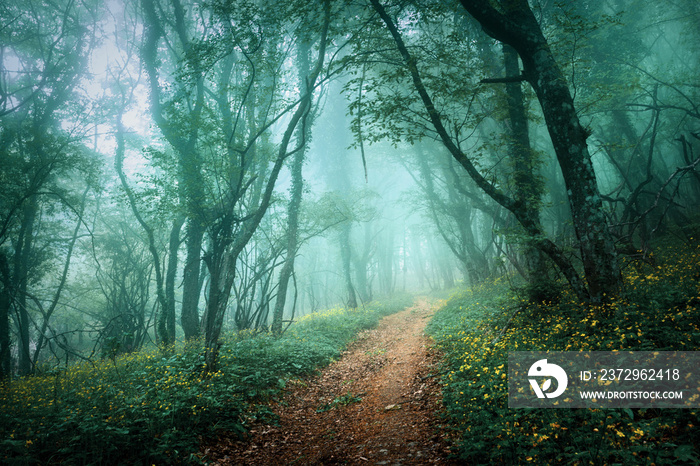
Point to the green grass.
(342, 400)
(660, 310)
(154, 407)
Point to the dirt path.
(376, 405)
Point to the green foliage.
(342, 400)
(542, 289)
(156, 405)
(476, 329)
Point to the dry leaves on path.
(376, 405)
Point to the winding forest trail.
(376, 405)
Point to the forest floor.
(378, 404)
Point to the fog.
(177, 170)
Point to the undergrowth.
(659, 310)
(154, 407)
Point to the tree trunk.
(345, 258)
(171, 273)
(191, 283)
(21, 274)
(5, 302)
(185, 145)
(385, 260)
(294, 204)
(225, 248)
(518, 27)
(221, 275)
(59, 290)
(362, 284)
(528, 190)
(161, 332)
(292, 242)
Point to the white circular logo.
(542, 368)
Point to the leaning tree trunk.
(530, 222)
(518, 27)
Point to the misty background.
(173, 170)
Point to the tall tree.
(514, 24)
(165, 337)
(41, 151)
(295, 192)
(176, 108)
(599, 256)
(243, 204)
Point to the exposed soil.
(376, 405)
